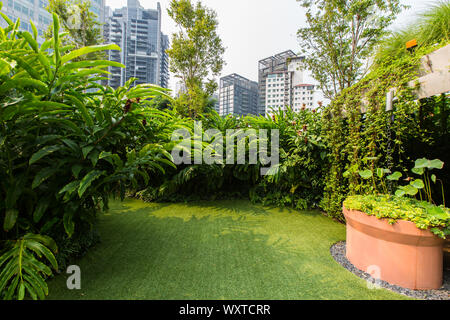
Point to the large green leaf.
(366, 174)
(83, 51)
(43, 175)
(395, 176)
(5, 67)
(22, 271)
(10, 219)
(57, 54)
(23, 64)
(48, 105)
(418, 184)
(84, 112)
(32, 42)
(45, 151)
(90, 64)
(409, 189)
(40, 209)
(436, 164)
(429, 164)
(69, 224)
(87, 181)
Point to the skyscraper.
(35, 11)
(138, 32)
(238, 95)
(280, 78)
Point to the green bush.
(67, 144)
(296, 182)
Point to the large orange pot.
(401, 253)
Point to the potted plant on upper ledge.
(401, 236)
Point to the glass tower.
(238, 96)
(35, 11)
(138, 32)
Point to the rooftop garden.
(133, 184)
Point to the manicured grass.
(214, 250)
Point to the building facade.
(280, 78)
(138, 32)
(35, 11)
(303, 97)
(237, 95)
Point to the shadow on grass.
(173, 259)
(220, 250)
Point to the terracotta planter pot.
(400, 254)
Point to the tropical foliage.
(421, 209)
(196, 53)
(65, 148)
(340, 36)
(363, 135)
(423, 214)
(297, 181)
(68, 144)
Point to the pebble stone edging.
(338, 253)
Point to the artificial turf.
(214, 250)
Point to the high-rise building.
(164, 72)
(138, 32)
(280, 79)
(237, 95)
(35, 11)
(215, 97)
(303, 97)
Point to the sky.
(252, 30)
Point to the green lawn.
(214, 250)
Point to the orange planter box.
(403, 254)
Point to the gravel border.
(338, 253)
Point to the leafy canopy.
(80, 23)
(197, 51)
(340, 36)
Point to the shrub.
(67, 144)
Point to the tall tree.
(196, 53)
(340, 36)
(80, 22)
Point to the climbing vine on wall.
(362, 135)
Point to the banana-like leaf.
(90, 64)
(83, 51)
